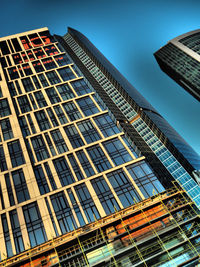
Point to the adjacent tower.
(180, 59)
(91, 174)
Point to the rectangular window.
(24, 126)
(6, 235)
(4, 108)
(51, 216)
(52, 117)
(51, 50)
(59, 141)
(43, 80)
(6, 129)
(117, 151)
(28, 85)
(87, 106)
(63, 171)
(20, 186)
(106, 125)
(52, 95)
(9, 190)
(65, 91)
(88, 131)
(31, 123)
(30, 55)
(66, 74)
(34, 224)
(49, 63)
(74, 136)
(24, 104)
(123, 188)
(33, 101)
(3, 165)
(36, 82)
(13, 72)
(62, 60)
(99, 158)
(50, 144)
(17, 58)
(39, 53)
(105, 195)
(41, 180)
(12, 89)
(75, 167)
(85, 163)
(72, 111)
(16, 45)
(53, 77)
(63, 212)
(27, 69)
(40, 148)
(80, 87)
(16, 230)
(50, 176)
(87, 202)
(42, 120)
(61, 116)
(40, 99)
(16, 154)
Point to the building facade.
(88, 166)
(180, 59)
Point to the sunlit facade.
(180, 59)
(86, 162)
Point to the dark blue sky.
(127, 32)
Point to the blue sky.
(127, 32)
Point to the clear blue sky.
(127, 32)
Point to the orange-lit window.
(51, 50)
(17, 58)
(30, 55)
(39, 53)
(46, 37)
(24, 57)
(25, 42)
(35, 40)
(27, 69)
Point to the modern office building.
(180, 59)
(91, 173)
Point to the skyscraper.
(180, 59)
(91, 174)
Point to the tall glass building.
(180, 59)
(91, 173)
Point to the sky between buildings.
(127, 32)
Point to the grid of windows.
(88, 131)
(65, 91)
(59, 141)
(16, 154)
(40, 148)
(74, 136)
(72, 111)
(87, 106)
(66, 74)
(81, 87)
(20, 186)
(106, 125)
(41, 180)
(6, 129)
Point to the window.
(31, 123)
(85, 163)
(106, 125)
(51, 50)
(52, 117)
(145, 179)
(24, 104)
(65, 91)
(42, 120)
(74, 136)
(12, 89)
(53, 77)
(4, 108)
(130, 147)
(39, 53)
(87, 106)
(28, 85)
(50, 144)
(88, 131)
(6, 129)
(72, 111)
(61, 116)
(20, 186)
(81, 87)
(40, 148)
(63, 212)
(52, 218)
(99, 158)
(35, 40)
(16, 44)
(41, 180)
(59, 141)
(16, 154)
(38, 66)
(123, 188)
(87, 202)
(62, 60)
(63, 171)
(117, 151)
(40, 99)
(66, 74)
(34, 224)
(3, 165)
(49, 63)
(9, 190)
(36, 82)
(24, 126)
(43, 80)
(6, 235)
(105, 195)
(30, 55)
(33, 101)
(13, 72)
(50, 176)
(17, 58)
(16, 230)
(75, 167)
(52, 95)
(27, 69)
